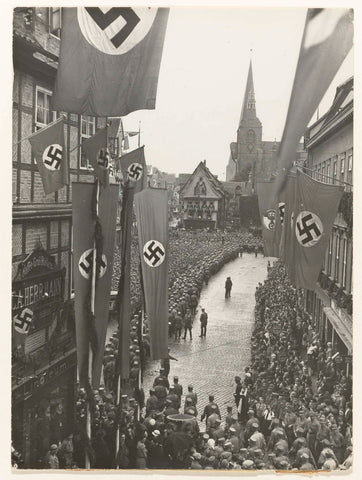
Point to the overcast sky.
(202, 81)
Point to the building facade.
(329, 145)
(251, 157)
(44, 371)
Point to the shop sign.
(42, 379)
(38, 285)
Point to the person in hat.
(192, 395)
(188, 324)
(51, 459)
(203, 322)
(177, 388)
(330, 462)
(141, 454)
(305, 463)
(257, 436)
(234, 440)
(208, 410)
(228, 286)
(248, 464)
(108, 373)
(218, 431)
(195, 461)
(66, 451)
(169, 409)
(161, 379)
(152, 403)
(179, 322)
(173, 397)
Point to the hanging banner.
(83, 250)
(316, 209)
(133, 166)
(152, 222)
(109, 60)
(269, 219)
(49, 151)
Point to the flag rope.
(61, 118)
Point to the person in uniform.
(188, 324)
(208, 410)
(191, 394)
(173, 397)
(161, 379)
(228, 286)
(152, 403)
(203, 322)
(178, 389)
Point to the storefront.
(44, 371)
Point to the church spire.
(248, 110)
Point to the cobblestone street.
(211, 363)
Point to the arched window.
(251, 136)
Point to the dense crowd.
(194, 258)
(292, 407)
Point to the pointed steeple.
(248, 110)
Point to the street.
(211, 363)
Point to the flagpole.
(124, 291)
(90, 354)
(139, 134)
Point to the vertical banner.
(269, 219)
(124, 293)
(49, 150)
(152, 223)
(107, 213)
(83, 243)
(316, 208)
(133, 166)
(83, 249)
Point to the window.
(335, 170)
(43, 114)
(350, 162)
(343, 159)
(323, 171)
(329, 260)
(336, 270)
(87, 129)
(55, 21)
(344, 265)
(328, 171)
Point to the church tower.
(248, 148)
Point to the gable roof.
(215, 184)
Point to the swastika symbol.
(308, 228)
(103, 158)
(52, 156)
(23, 320)
(104, 20)
(135, 171)
(281, 208)
(153, 253)
(269, 219)
(85, 264)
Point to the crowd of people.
(292, 406)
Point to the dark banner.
(152, 223)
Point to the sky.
(202, 82)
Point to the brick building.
(329, 145)
(251, 157)
(44, 367)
